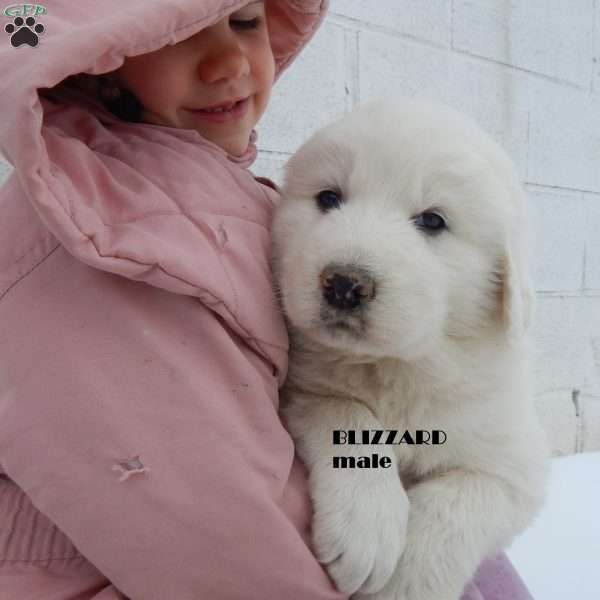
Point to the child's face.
(229, 61)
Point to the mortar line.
(412, 38)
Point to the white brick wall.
(529, 72)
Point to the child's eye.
(246, 24)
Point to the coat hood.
(95, 37)
(151, 203)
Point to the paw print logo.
(24, 34)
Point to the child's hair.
(103, 88)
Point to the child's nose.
(227, 62)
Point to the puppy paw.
(432, 566)
(359, 527)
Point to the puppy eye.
(328, 199)
(430, 222)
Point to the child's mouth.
(223, 114)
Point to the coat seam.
(4, 292)
(179, 211)
(258, 341)
(31, 560)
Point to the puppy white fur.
(429, 333)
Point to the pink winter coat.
(141, 345)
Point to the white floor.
(559, 555)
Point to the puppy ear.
(517, 297)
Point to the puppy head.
(400, 226)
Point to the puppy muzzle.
(347, 287)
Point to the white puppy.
(398, 251)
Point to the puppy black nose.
(346, 287)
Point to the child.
(141, 453)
